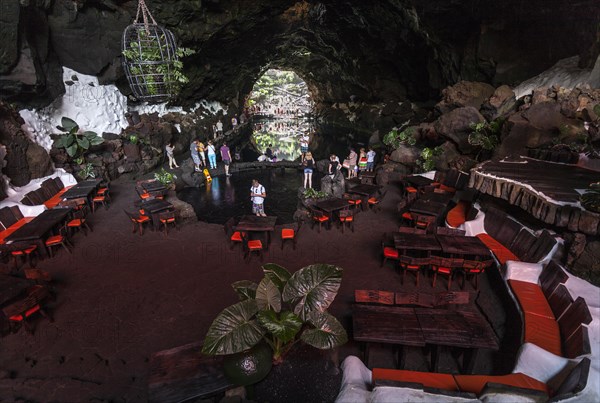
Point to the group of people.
(363, 162)
(200, 152)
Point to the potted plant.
(280, 311)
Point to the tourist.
(226, 157)
(212, 155)
(201, 153)
(371, 159)
(304, 139)
(237, 154)
(351, 162)
(170, 148)
(362, 161)
(257, 195)
(215, 132)
(219, 126)
(309, 166)
(269, 153)
(234, 123)
(334, 165)
(195, 156)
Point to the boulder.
(464, 93)
(456, 126)
(9, 32)
(183, 211)
(334, 186)
(405, 154)
(39, 161)
(391, 171)
(544, 116)
(587, 264)
(501, 103)
(446, 159)
(519, 135)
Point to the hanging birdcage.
(150, 58)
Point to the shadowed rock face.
(374, 54)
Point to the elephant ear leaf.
(328, 332)
(234, 330)
(245, 289)
(72, 150)
(68, 124)
(277, 274)
(284, 328)
(268, 296)
(313, 288)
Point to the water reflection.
(282, 136)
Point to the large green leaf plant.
(75, 142)
(282, 309)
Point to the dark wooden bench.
(374, 297)
(49, 193)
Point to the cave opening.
(281, 107)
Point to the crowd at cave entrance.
(297, 201)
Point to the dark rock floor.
(122, 297)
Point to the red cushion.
(143, 218)
(254, 244)
(531, 298)
(53, 201)
(287, 233)
(28, 313)
(24, 251)
(101, 191)
(543, 332)
(444, 270)
(476, 383)
(447, 188)
(99, 198)
(411, 189)
(236, 237)
(428, 379)
(390, 252)
(322, 218)
(347, 219)
(458, 214)
(407, 216)
(53, 240)
(167, 220)
(357, 201)
(500, 251)
(76, 222)
(145, 195)
(373, 200)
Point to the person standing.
(219, 126)
(201, 153)
(334, 165)
(234, 123)
(362, 161)
(195, 156)
(170, 148)
(212, 155)
(304, 139)
(258, 195)
(269, 153)
(352, 158)
(371, 159)
(226, 157)
(309, 166)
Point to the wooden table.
(153, 208)
(462, 245)
(428, 207)
(364, 189)
(253, 223)
(11, 287)
(331, 205)
(34, 231)
(386, 324)
(418, 181)
(82, 190)
(418, 242)
(367, 177)
(153, 186)
(184, 373)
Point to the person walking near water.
(351, 159)
(226, 157)
(195, 156)
(258, 195)
(170, 149)
(309, 166)
(212, 155)
(371, 159)
(362, 161)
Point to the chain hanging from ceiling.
(150, 58)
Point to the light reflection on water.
(230, 197)
(283, 134)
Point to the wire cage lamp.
(149, 57)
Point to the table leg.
(469, 359)
(434, 358)
(400, 356)
(366, 355)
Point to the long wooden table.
(454, 245)
(418, 327)
(253, 223)
(82, 190)
(34, 231)
(417, 242)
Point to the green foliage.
(133, 139)
(597, 109)
(75, 143)
(150, 49)
(165, 177)
(282, 309)
(396, 138)
(427, 160)
(87, 172)
(486, 135)
(311, 193)
(590, 200)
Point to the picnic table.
(332, 205)
(364, 189)
(34, 231)
(152, 208)
(418, 327)
(82, 190)
(417, 242)
(254, 223)
(462, 245)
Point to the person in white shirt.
(234, 123)
(212, 155)
(170, 148)
(371, 159)
(219, 126)
(257, 195)
(304, 139)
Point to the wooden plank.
(552, 275)
(578, 313)
(578, 344)
(374, 297)
(386, 324)
(183, 373)
(560, 300)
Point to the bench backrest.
(573, 317)
(523, 243)
(578, 344)
(552, 275)
(542, 246)
(560, 300)
(415, 298)
(7, 217)
(59, 183)
(575, 382)
(374, 297)
(51, 186)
